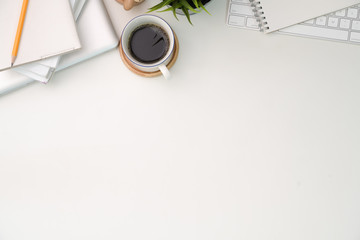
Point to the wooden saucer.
(131, 67)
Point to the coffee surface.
(148, 43)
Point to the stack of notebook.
(89, 27)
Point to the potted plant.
(186, 7)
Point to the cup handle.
(165, 71)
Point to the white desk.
(255, 137)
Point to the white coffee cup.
(148, 67)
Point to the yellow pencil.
(19, 31)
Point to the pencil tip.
(12, 60)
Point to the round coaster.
(131, 67)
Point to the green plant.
(184, 5)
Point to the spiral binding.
(259, 15)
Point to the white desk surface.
(255, 137)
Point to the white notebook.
(49, 30)
(277, 14)
(43, 70)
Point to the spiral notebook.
(277, 14)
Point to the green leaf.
(196, 3)
(202, 6)
(166, 10)
(177, 5)
(154, 8)
(160, 5)
(184, 5)
(186, 12)
(174, 12)
(187, 5)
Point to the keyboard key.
(317, 32)
(340, 13)
(241, 1)
(333, 22)
(311, 21)
(352, 13)
(345, 23)
(356, 25)
(355, 37)
(237, 21)
(241, 10)
(252, 23)
(321, 21)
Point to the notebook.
(96, 34)
(277, 14)
(43, 70)
(49, 30)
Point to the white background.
(255, 137)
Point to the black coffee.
(148, 43)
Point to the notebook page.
(36, 70)
(53, 61)
(283, 13)
(49, 30)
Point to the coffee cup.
(148, 44)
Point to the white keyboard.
(343, 25)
